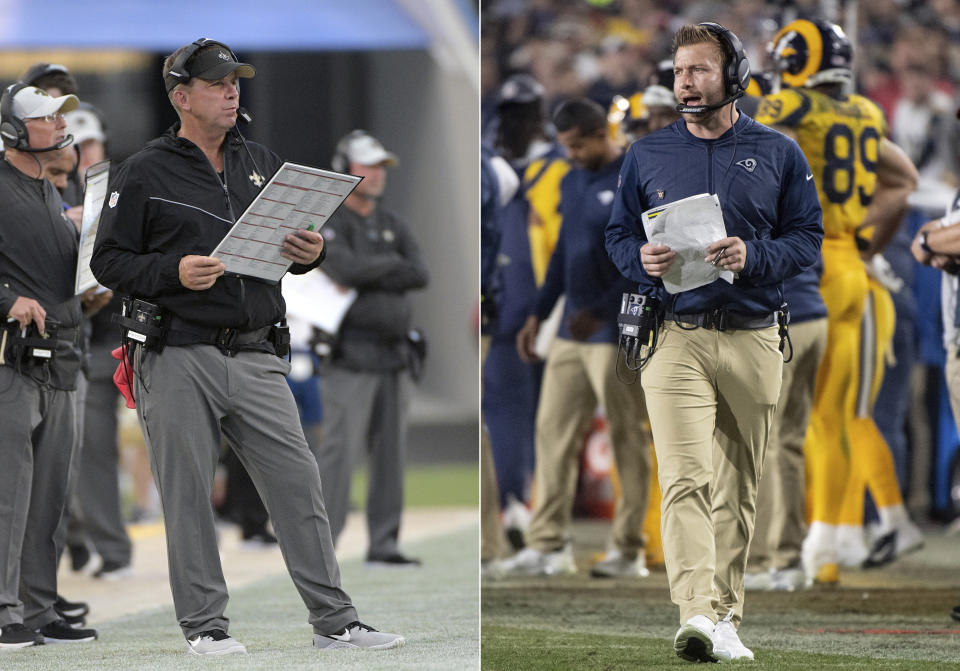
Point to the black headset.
(178, 69)
(736, 67)
(340, 161)
(13, 130)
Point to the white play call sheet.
(688, 227)
(296, 197)
(95, 192)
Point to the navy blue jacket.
(761, 178)
(580, 266)
(802, 294)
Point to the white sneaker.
(906, 537)
(516, 519)
(758, 581)
(851, 550)
(694, 640)
(491, 569)
(788, 579)
(358, 635)
(214, 642)
(818, 549)
(533, 562)
(615, 565)
(726, 642)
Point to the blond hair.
(689, 35)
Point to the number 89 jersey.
(841, 140)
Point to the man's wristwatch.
(922, 238)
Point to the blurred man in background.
(38, 256)
(530, 224)
(863, 180)
(367, 383)
(581, 370)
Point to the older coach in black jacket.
(169, 206)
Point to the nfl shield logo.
(660, 194)
(114, 197)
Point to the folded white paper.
(687, 227)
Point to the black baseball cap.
(520, 88)
(38, 70)
(209, 63)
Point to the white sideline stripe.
(192, 207)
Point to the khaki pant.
(578, 377)
(491, 531)
(701, 384)
(780, 525)
(952, 373)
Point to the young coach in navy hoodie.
(717, 367)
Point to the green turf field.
(891, 618)
(435, 608)
(450, 484)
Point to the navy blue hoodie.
(580, 267)
(767, 198)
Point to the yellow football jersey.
(541, 180)
(841, 140)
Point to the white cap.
(31, 102)
(84, 125)
(362, 148)
(658, 96)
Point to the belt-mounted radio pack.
(142, 323)
(783, 323)
(27, 345)
(639, 326)
(279, 336)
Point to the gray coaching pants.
(187, 396)
(365, 412)
(98, 487)
(37, 428)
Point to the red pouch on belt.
(121, 378)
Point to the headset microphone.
(244, 114)
(700, 109)
(54, 147)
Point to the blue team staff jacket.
(767, 196)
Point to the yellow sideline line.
(145, 530)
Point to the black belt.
(724, 320)
(68, 335)
(229, 340)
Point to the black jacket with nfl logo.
(166, 202)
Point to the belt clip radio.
(142, 323)
(783, 322)
(27, 344)
(279, 336)
(639, 325)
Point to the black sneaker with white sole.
(59, 631)
(358, 635)
(393, 560)
(75, 621)
(83, 559)
(71, 608)
(16, 635)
